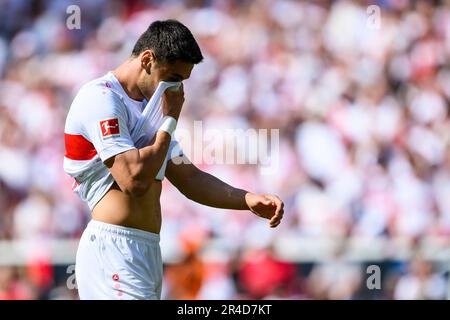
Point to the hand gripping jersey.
(103, 122)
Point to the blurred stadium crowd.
(364, 140)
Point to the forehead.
(179, 67)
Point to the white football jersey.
(103, 122)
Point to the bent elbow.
(136, 188)
(137, 185)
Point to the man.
(118, 171)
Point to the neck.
(128, 76)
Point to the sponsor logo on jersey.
(110, 128)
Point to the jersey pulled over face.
(101, 123)
(176, 71)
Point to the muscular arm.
(135, 169)
(206, 189)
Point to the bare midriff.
(143, 212)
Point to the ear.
(147, 59)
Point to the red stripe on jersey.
(78, 148)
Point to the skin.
(134, 199)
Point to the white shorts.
(115, 262)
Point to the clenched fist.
(173, 99)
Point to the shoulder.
(98, 90)
(96, 98)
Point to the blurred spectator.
(12, 287)
(260, 274)
(185, 278)
(421, 282)
(335, 280)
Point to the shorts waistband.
(123, 231)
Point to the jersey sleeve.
(174, 150)
(103, 119)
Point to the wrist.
(173, 115)
(168, 125)
(247, 198)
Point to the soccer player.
(118, 162)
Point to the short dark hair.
(169, 40)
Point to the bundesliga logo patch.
(110, 128)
